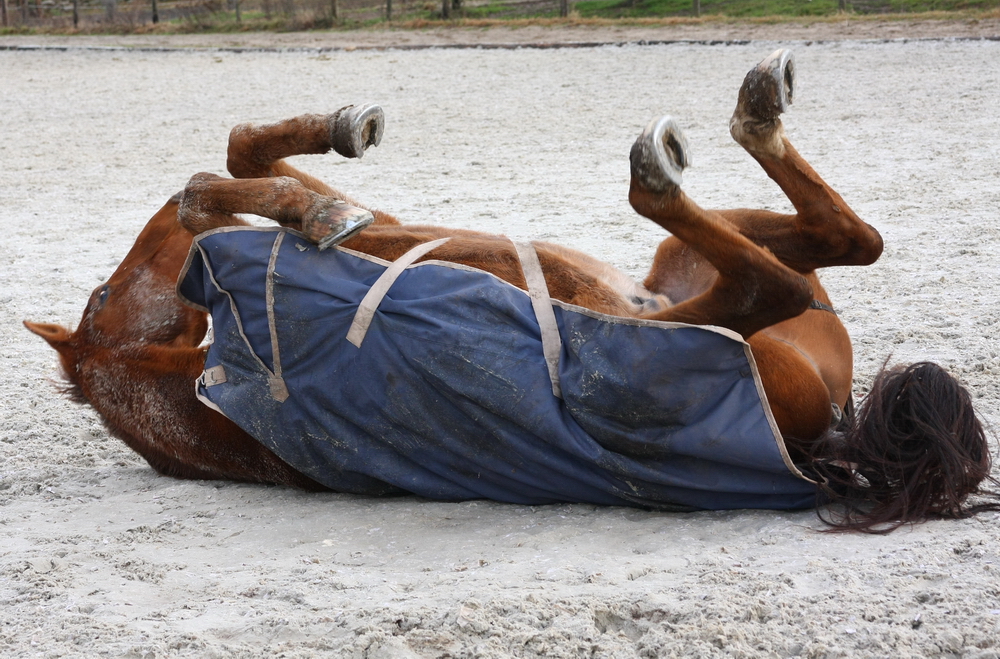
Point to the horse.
(914, 450)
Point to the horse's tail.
(916, 450)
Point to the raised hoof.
(355, 128)
(768, 88)
(333, 221)
(659, 156)
(766, 93)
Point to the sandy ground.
(99, 556)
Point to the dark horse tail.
(916, 450)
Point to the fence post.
(3, 12)
(335, 10)
(156, 14)
(564, 8)
(697, 8)
(445, 9)
(388, 10)
(239, 16)
(843, 6)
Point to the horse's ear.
(61, 339)
(56, 335)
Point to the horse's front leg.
(210, 202)
(268, 186)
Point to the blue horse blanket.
(449, 395)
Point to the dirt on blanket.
(99, 556)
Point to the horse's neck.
(121, 379)
(146, 396)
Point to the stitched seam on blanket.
(236, 314)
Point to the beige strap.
(276, 382)
(213, 376)
(366, 310)
(277, 385)
(538, 291)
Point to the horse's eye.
(102, 295)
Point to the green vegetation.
(186, 16)
(762, 8)
(735, 8)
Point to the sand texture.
(99, 556)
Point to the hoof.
(766, 93)
(355, 128)
(332, 221)
(659, 156)
(768, 88)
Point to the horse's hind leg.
(824, 231)
(728, 280)
(211, 201)
(752, 289)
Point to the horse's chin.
(72, 390)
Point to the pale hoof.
(659, 156)
(332, 221)
(355, 128)
(768, 88)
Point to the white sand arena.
(99, 556)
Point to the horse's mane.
(915, 451)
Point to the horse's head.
(137, 305)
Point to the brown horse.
(916, 450)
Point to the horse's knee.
(240, 161)
(197, 212)
(867, 244)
